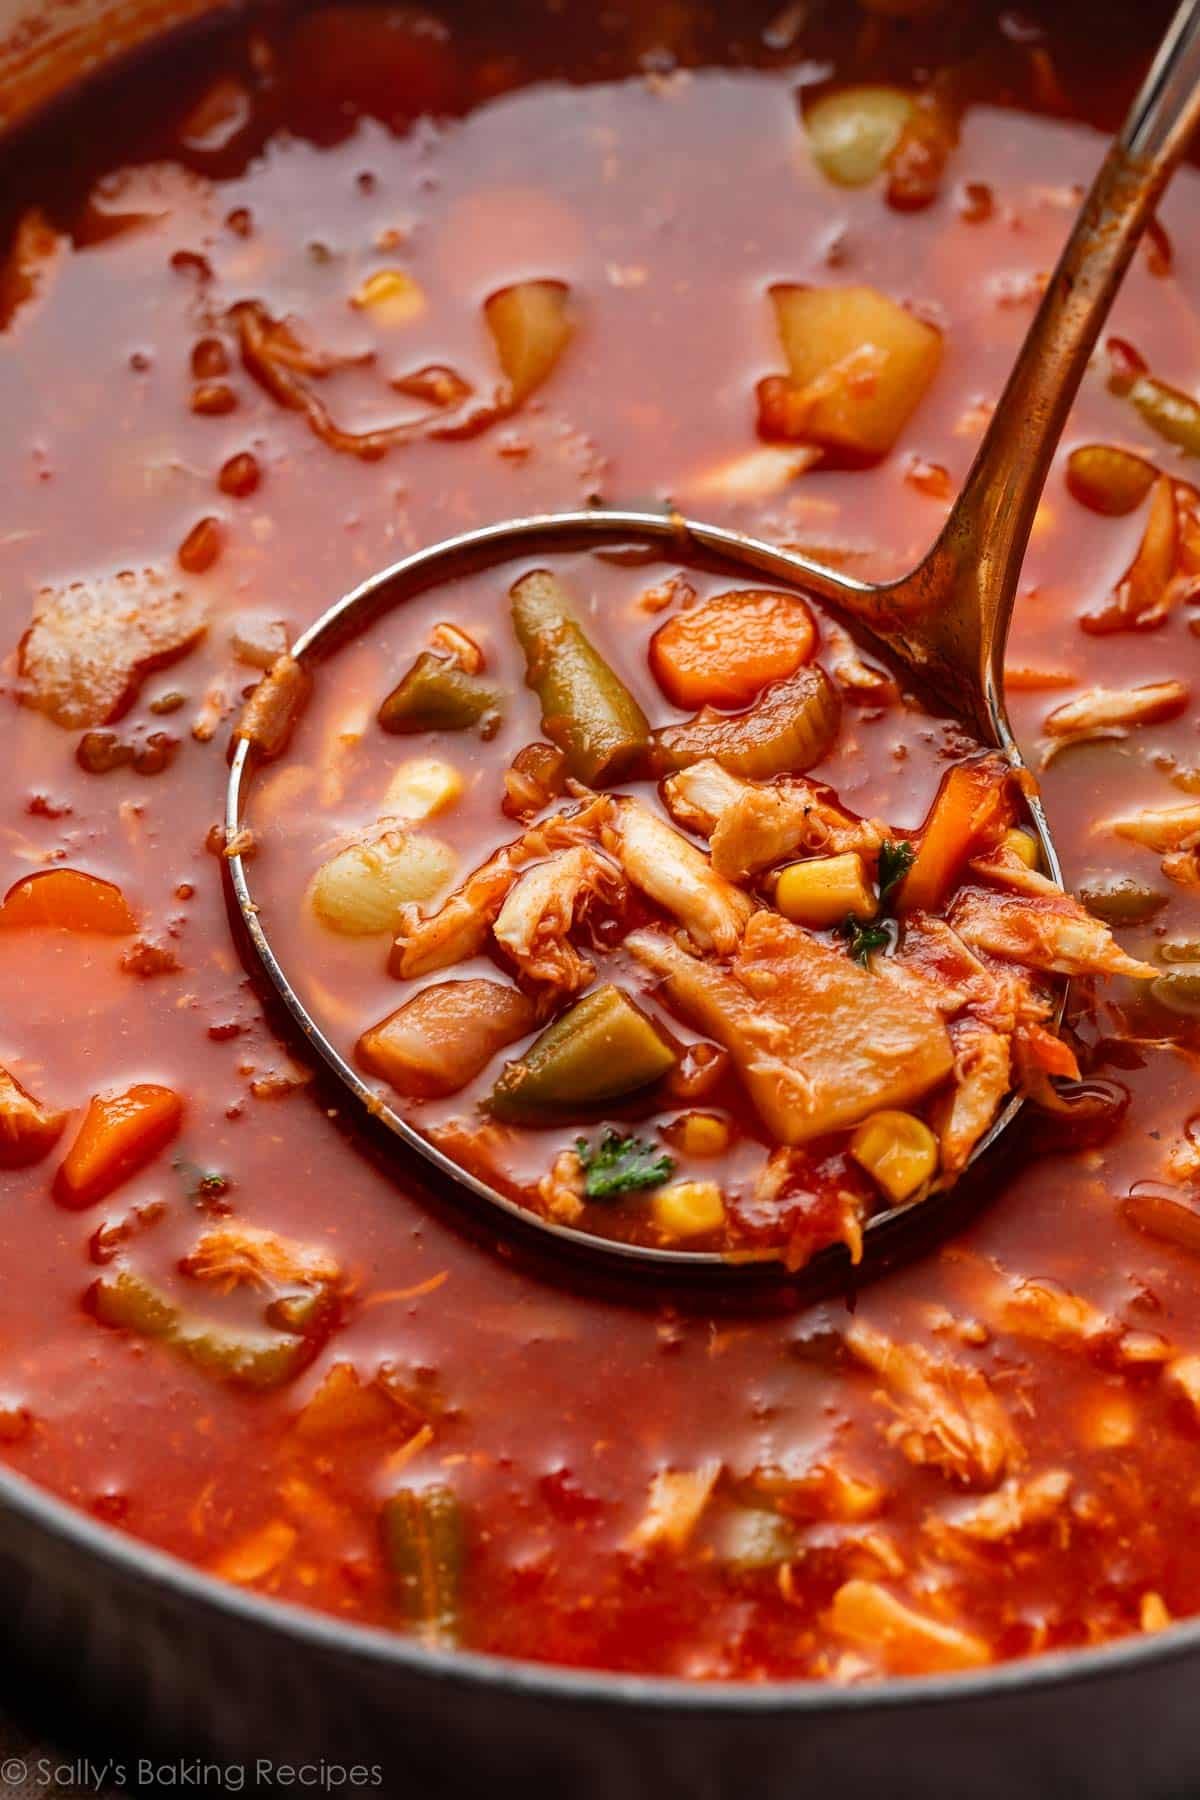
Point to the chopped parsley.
(620, 1165)
(862, 937)
(200, 1184)
(896, 858)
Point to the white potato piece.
(859, 365)
(361, 889)
(421, 787)
(531, 326)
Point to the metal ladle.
(946, 623)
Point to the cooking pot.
(119, 1648)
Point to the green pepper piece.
(586, 709)
(602, 1048)
(423, 1545)
(254, 1360)
(438, 695)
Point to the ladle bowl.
(945, 625)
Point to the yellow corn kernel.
(701, 1134)
(391, 296)
(420, 788)
(688, 1208)
(1024, 845)
(898, 1151)
(822, 891)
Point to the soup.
(324, 288)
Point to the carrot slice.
(727, 650)
(67, 900)
(973, 806)
(119, 1133)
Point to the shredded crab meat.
(752, 824)
(459, 928)
(674, 1507)
(982, 1079)
(234, 1255)
(852, 673)
(817, 1216)
(561, 1191)
(1048, 932)
(1003, 868)
(1108, 712)
(1161, 828)
(1046, 1310)
(541, 908)
(1019, 1506)
(902, 1639)
(946, 1415)
(934, 959)
(678, 877)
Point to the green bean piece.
(586, 709)
(603, 1048)
(248, 1359)
(423, 1545)
(1178, 989)
(438, 695)
(1121, 899)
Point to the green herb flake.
(198, 1183)
(862, 939)
(621, 1165)
(896, 858)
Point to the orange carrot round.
(725, 651)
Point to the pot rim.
(133, 1559)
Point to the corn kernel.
(821, 892)
(688, 1208)
(701, 1134)
(898, 1151)
(420, 788)
(391, 297)
(1024, 845)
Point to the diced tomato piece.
(973, 807)
(727, 650)
(67, 900)
(120, 1133)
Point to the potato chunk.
(444, 1036)
(90, 645)
(531, 326)
(27, 1128)
(819, 1042)
(362, 888)
(858, 367)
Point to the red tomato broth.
(559, 1408)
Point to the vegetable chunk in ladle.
(695, 988)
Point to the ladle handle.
(964, 591)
